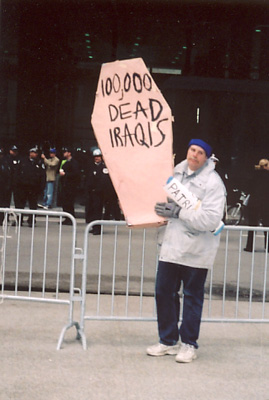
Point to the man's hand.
(167, 210)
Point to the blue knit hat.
(199, 142)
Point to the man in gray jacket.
(188, 250)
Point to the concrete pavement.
(232, 360)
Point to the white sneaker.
(186, 353)
(160, 349)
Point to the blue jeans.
(168, 282)
(48, 194)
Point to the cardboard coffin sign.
(132, 123)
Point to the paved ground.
(232, 360)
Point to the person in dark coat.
(258, 211)
(111, 203)
(30, 180)
(96, 182)
(69, 174)
(13, 160)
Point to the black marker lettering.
(161, 132)
(116, 79)
(111, 137)
(127, 135)
(155, 109)
(138, 109)
(113, 114)
(147, 82)
(186, 203)
(122, 95)
(102, 87)
(175, 192)
(108, 86)
(127, 82)
(173, 186)
(117, 136)
(150, 135)
(137, 82)
(142, 140)
(125, 114)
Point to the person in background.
(111, 202)
(13, 160)
(69, 174)
(59, 184)
(51, 165)
(258, 211)
(30, 179)
(96, 181)
(187, 252)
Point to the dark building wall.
(50, 81)
(233, 116)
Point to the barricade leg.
(80, 335)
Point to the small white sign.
(181, 195)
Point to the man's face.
(97, 159)
(196, 157)
(52, 155)
(33, 154)
(13, 153)
(67, 155)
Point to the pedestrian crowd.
(48, 179)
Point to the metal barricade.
(120, 267)
(116, 278)
(38, 256)
(238, 284)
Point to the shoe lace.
(185, 347)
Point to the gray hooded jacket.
(188, 240)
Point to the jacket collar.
(182, 167)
